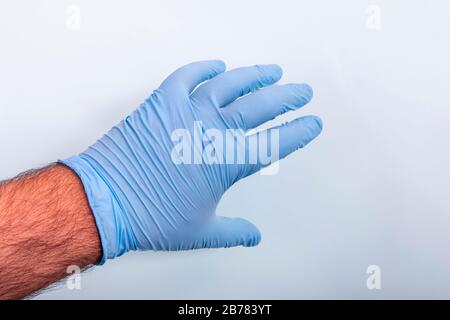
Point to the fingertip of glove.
(219, 65)
(302, 91)
(277, 71)
(253, 240)
(270, 73)
(253, 237)
(307, 91)
(318, 121)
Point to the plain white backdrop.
(373, 189)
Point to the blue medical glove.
(144, 192)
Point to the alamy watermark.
(73, 281)
(373, 281)
(73, 18)
(199, 145)
(373, 17)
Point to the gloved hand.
(142, 194)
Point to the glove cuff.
(105, 207)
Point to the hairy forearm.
(45, 226)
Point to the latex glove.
(143, 199)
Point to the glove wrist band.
(104, 206)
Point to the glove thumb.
(226, 232)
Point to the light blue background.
(373, 189)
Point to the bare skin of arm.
(46, 225)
